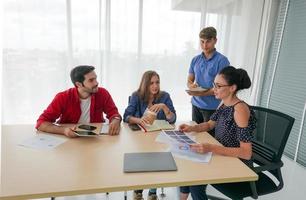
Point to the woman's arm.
(244, 151)
(169, 110)
(131, 109)
(167, 107)
(205, 126)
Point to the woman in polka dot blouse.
(233, 121)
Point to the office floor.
(294, 177)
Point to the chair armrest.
(268, 167)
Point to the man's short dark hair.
(78, 73)
(208, 33)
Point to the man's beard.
(92, 90)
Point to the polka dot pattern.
(227, 131)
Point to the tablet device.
(148, 162)
(85, 133)
(87, 127)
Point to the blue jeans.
(198, 192)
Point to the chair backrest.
(271, 134)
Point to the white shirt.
(85, 111)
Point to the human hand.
(185, 128)
(149, 116)
(70, 132)
(141, 121)
(146, 119)
(201, 148)
(157, 107)
(114, 127)
(193, 85)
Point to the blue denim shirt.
(137, 107)
(205, 71)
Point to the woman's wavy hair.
(144, 88)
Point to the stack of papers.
(179, 137)
(174, 137)
(183, 151)
(179, 143)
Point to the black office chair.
(270, 138)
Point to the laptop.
(148, 162)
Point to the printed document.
(179, 146)
(42, 141)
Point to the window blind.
(284, 87)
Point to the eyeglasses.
(217, 86)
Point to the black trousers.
(201, 115)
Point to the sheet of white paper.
(183, 151)
(104, 129)
(42, 141)
(179, 136)
(163, 138)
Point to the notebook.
(148, 162)
(157, 125)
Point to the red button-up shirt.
(65, 107)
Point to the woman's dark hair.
(78, 73)
(238, 77)
(144, 87)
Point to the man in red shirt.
(85, 103)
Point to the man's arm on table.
(57, 129)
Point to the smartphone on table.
(87, 127)
(134, 127)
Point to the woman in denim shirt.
(149, 96)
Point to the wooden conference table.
(95, 165)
